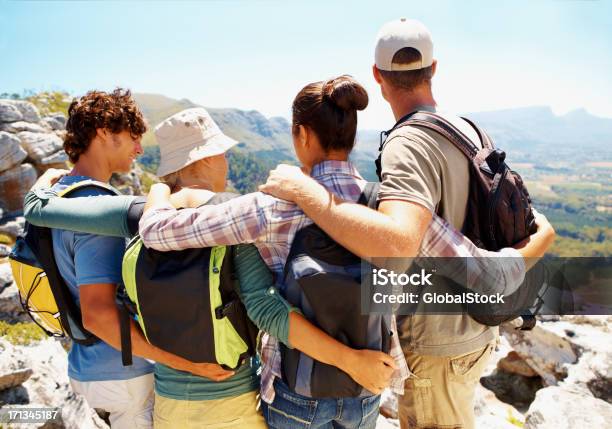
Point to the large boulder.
(547, 353)
(13, 228)
(558, 408)
(6, 278)
(14, 184)
(10, 304)
(4, 250)
(19, 126)
(14, 368)
(29, 112)
(48, 386)
(8, 112)
(57, 160)
(592, 374)
(56, 121)
(514, 364)
(11, 153)
(40, 146)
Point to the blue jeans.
(292, 411)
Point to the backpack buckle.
(224, 309)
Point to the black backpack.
(323, 280)
(498, 211)
(186, 302)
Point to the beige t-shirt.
(421, 166)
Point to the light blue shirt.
(86, 259)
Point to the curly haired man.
(103, 137)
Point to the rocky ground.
(558, 376)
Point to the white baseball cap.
(403, 33)
(187, 137)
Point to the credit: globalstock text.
(384, 277)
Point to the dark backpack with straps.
(186, 302)
(323, 280)
(498, 212)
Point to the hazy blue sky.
(258, 54)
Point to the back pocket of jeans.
(289, 411)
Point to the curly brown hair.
(116, 111)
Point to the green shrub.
(21, 334)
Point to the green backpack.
(186, 302)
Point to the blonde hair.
(175, 179)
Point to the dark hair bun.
(346, 93)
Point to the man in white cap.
(421, 173)
(446, 353)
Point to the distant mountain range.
(514, 130)
(268, 137)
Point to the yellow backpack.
(43, 293)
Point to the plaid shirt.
(271, 224)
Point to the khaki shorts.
(440, 394)
(233, 412)
(128, 402)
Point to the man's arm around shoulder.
(395, 230)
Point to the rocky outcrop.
(56, 122)
(39, 146)
(11, 152)
(10, 304)
(514, 364)
(29, 145)
(28, 111)
(12, 228)
(14, 370)
(38, 378)
(547, 353)
(19, 126)
(14, 184)
(559, 408)
(8, 112)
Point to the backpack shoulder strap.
(369, 196)
(441, 126)
(484, 137)
(70, 313)
(94, 184)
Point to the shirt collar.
(330, 167)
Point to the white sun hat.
(187, 137)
